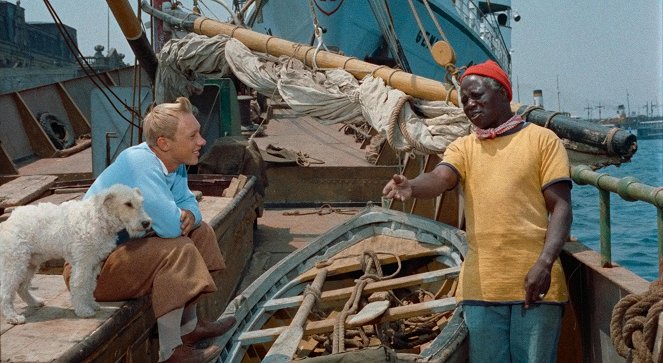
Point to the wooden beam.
(24, 189)
(79, 123)
(344, 293)
(7, 166)
(41, 144)
(416, 251)
(327, 325)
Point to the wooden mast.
(411, 84)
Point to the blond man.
(174, 263)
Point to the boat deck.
(300, 133)
(73, 167)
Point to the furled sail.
(334, 95)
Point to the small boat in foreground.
(384, 285)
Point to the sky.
(581, 54)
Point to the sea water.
(633, 224)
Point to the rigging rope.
(94, 77)
(420, 25)
(370, 264)
(394, 120)
(437, 24)
(383, 17)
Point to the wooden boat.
(383, 280)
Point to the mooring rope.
(634, 324)
(323, 210)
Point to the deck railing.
(630, 189)
(487, 27)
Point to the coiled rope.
(634, 324)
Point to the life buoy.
(59, 131)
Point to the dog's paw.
(93, 304)
(15, 319)
(85, 311)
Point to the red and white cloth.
(492, 133)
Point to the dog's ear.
(138, 191)
(109, 198)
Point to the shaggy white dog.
(82, 232)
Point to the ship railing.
(486, 27)
(96, 61)
(629, 189)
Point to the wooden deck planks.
(54, 326)
(24, 189)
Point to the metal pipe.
(604, 227)
(109, 136)
(628, 188)
(133, 32)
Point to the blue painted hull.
(351, 27)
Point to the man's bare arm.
(558, 203)
(426, 185)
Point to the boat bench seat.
(54, 333)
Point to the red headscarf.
(492, 70)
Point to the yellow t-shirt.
(506, 217)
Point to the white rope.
(421, 26)
(456, 85)
(437, 24)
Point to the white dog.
(82, 232)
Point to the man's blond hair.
(163, 120)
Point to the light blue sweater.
(165, 194)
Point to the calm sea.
(634, 230)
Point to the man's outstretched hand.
(398, 187)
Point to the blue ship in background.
(394, 33)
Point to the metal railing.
(487, 28)
(630, 189)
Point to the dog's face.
(127, 205)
